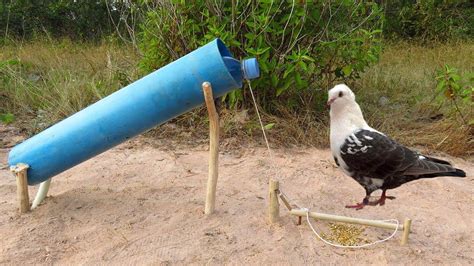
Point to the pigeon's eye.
(341, 94)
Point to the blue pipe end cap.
(250, 68)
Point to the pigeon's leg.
(383, 197)
(388, 197)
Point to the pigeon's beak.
(330, 101)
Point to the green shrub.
(303, 47)
(454, 87)
(429, 20)
(86, 20)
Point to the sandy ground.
(142, 203)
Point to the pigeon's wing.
(372, 154)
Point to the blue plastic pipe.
(154, 99)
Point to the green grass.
(406, 72)
(44, 81)
(415, 112)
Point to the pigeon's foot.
(382, 200)
(361, 205)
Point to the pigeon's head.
(340, 96)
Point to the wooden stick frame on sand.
(274, 213)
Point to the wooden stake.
(20, 171)
(274, 207)
(213, 148)
(344, 219)
(406, 231)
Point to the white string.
(344, 246)
(263, 128)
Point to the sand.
(142, 203)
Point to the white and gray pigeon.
(371, 158)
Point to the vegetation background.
(409, 62)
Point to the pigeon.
(370, 157)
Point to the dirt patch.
(142, 202)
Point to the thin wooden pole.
(20, 172)
(213, 148)
(344, 219)
(273, 207)
(406, 231)
(284, 200)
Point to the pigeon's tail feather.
(458, 173)
(428, 167)
(407, 178)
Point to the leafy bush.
(303, 47)
(429, 19)
(77, 19)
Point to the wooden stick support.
(344, 219)
(41, 194)
(213, 148)
(284, 200)
(406, 231)
(274, 207)
(20, 172)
